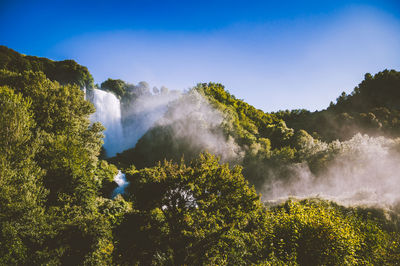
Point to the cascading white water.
(108, 112)
(122, 184)
(140, 116)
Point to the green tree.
(22, 220)
(316, 232)
(201, 213)
(70, 144)
(116, 86)
(64, 72)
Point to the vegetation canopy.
(201, 178)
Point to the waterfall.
(121, 182)
(108, 112)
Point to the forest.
(210, 179)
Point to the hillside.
(209, 176)
(64, 72)
(265, 143)
(371, 108)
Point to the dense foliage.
(199, 209)
(252, 138)
(127, 92)
(65, 72)
(371, 108)
(51, 181)
(205, 213)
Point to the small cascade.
(108, 112)
(121, 182)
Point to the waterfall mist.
(194, 121)
(142, 113)
(361, 171)
(128, 120)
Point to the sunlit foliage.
(193, 208)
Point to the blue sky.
(273, 54)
